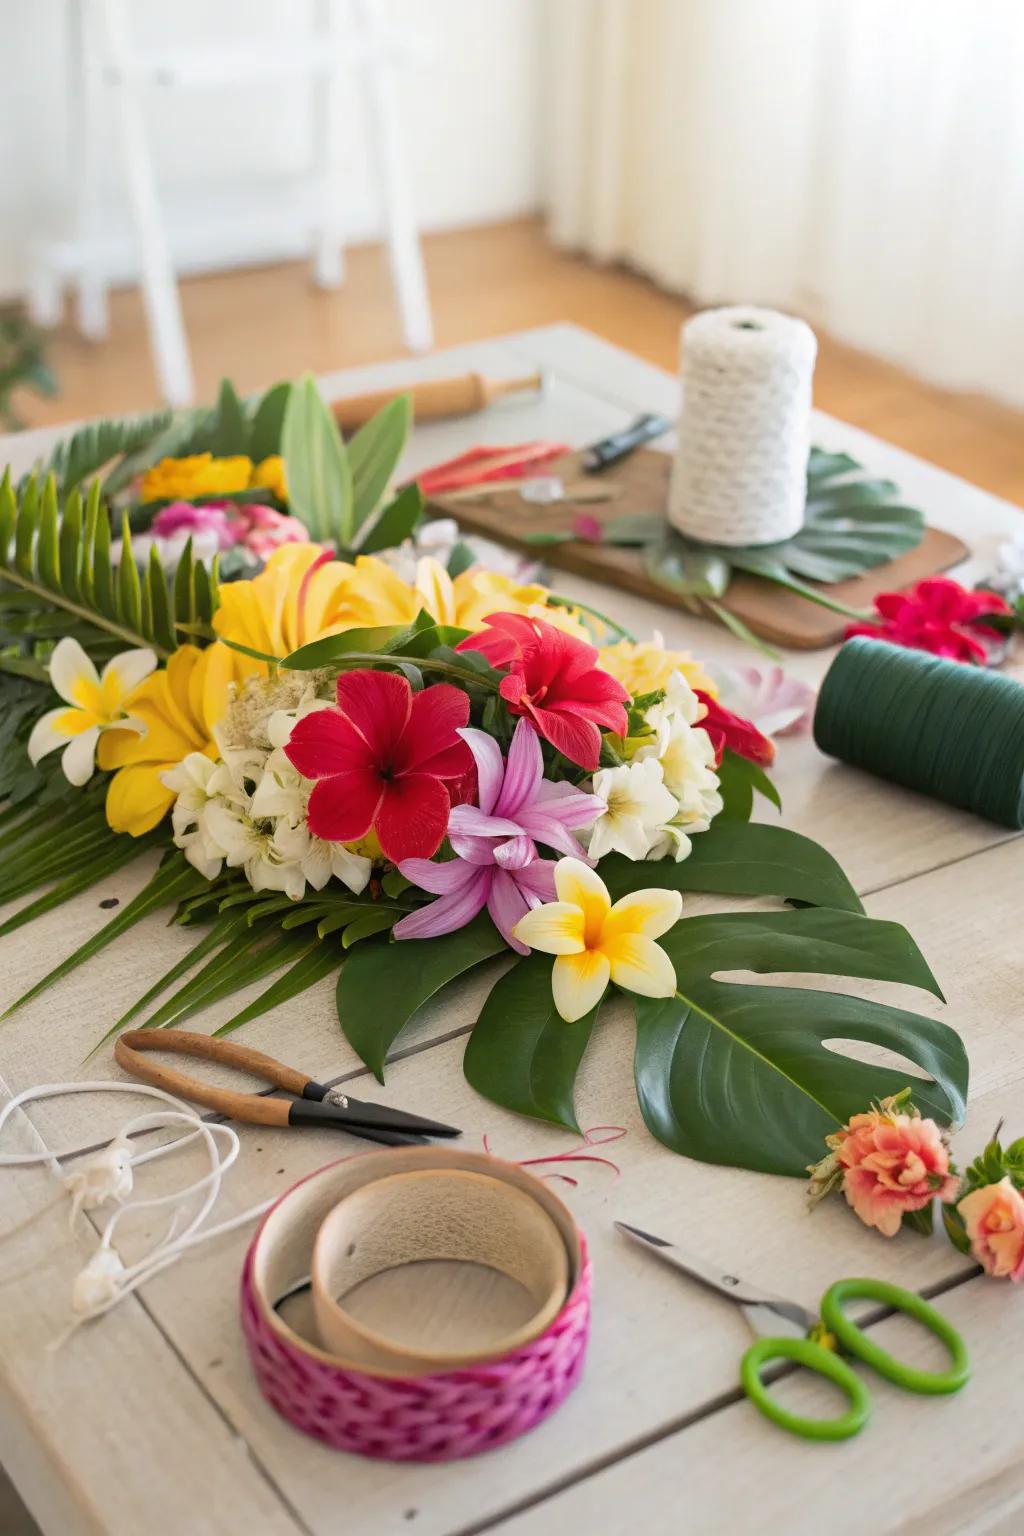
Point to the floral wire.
(573, 1154)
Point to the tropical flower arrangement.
(360, 762)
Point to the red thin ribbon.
(574, 1154)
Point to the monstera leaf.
(730, 1072)
(852, 524)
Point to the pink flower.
(776, 703)
(890, 1163)
(264, 529)
(994, 1219)
(496, 862)
(936, 615)
(182, 518)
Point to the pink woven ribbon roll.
(436, 1417)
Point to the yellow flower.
(289, 604)
(596, 942)
(94, 704)
(270, 473)
(645, 666)
(170, 706)
(200, 475)
(375, 594)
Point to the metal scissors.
(314, 1104)
(787, 1331)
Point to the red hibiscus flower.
(938, 615)
(381, 760)
(555, 681)
(728, 730)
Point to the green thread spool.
(947, 729)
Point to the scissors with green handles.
(787, 1331)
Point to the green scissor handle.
(854, 1342)
(816, 1358)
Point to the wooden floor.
(267, 323)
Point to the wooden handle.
(131, 1053)
(434, 399)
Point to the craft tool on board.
(619, 445)
(436, 399)
(787, 1331)
(314, 1104)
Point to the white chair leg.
(159, 287)
(402, 232)
(328, 250)
(45, 292)
(93, 312)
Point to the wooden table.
(150, 1421)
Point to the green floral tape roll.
(947, 729)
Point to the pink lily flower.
(496, 862)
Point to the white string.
(108, 1176)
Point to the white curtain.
(860, 162)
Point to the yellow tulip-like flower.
(596, 942)
(271, 474)
(94, 703)
(199, 475)
(169, 705)
(645, 666)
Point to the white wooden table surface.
(150, 1421)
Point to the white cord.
(108, 1175)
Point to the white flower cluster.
(248, 811)
(669, 789)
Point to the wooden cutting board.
(640, 484)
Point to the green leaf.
(738, 779)
(230, 432)
(94, 445)
(320, 491)
(521, 1054)
(318, 961)
(379, 640)
(395, 523)
(373, 453)
(737, 1074)
(743, 859)
(382, 986)
(268, 422)
(174, 881)
(688, 569)
(365, 926)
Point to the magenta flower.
(496, 862)
(188, 517)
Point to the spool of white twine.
(740, 475)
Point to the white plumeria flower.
(687, 759)
(190, 781)
(595, 942)
(95, 702)
(319, 860)
(638, 805)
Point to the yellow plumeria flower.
(644, 666)
(596, 942)
(95, 702)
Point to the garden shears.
(787, 1331)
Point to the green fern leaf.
(94, 445)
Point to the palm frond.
(98, 442)
(58, 561)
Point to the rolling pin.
(434, 399)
